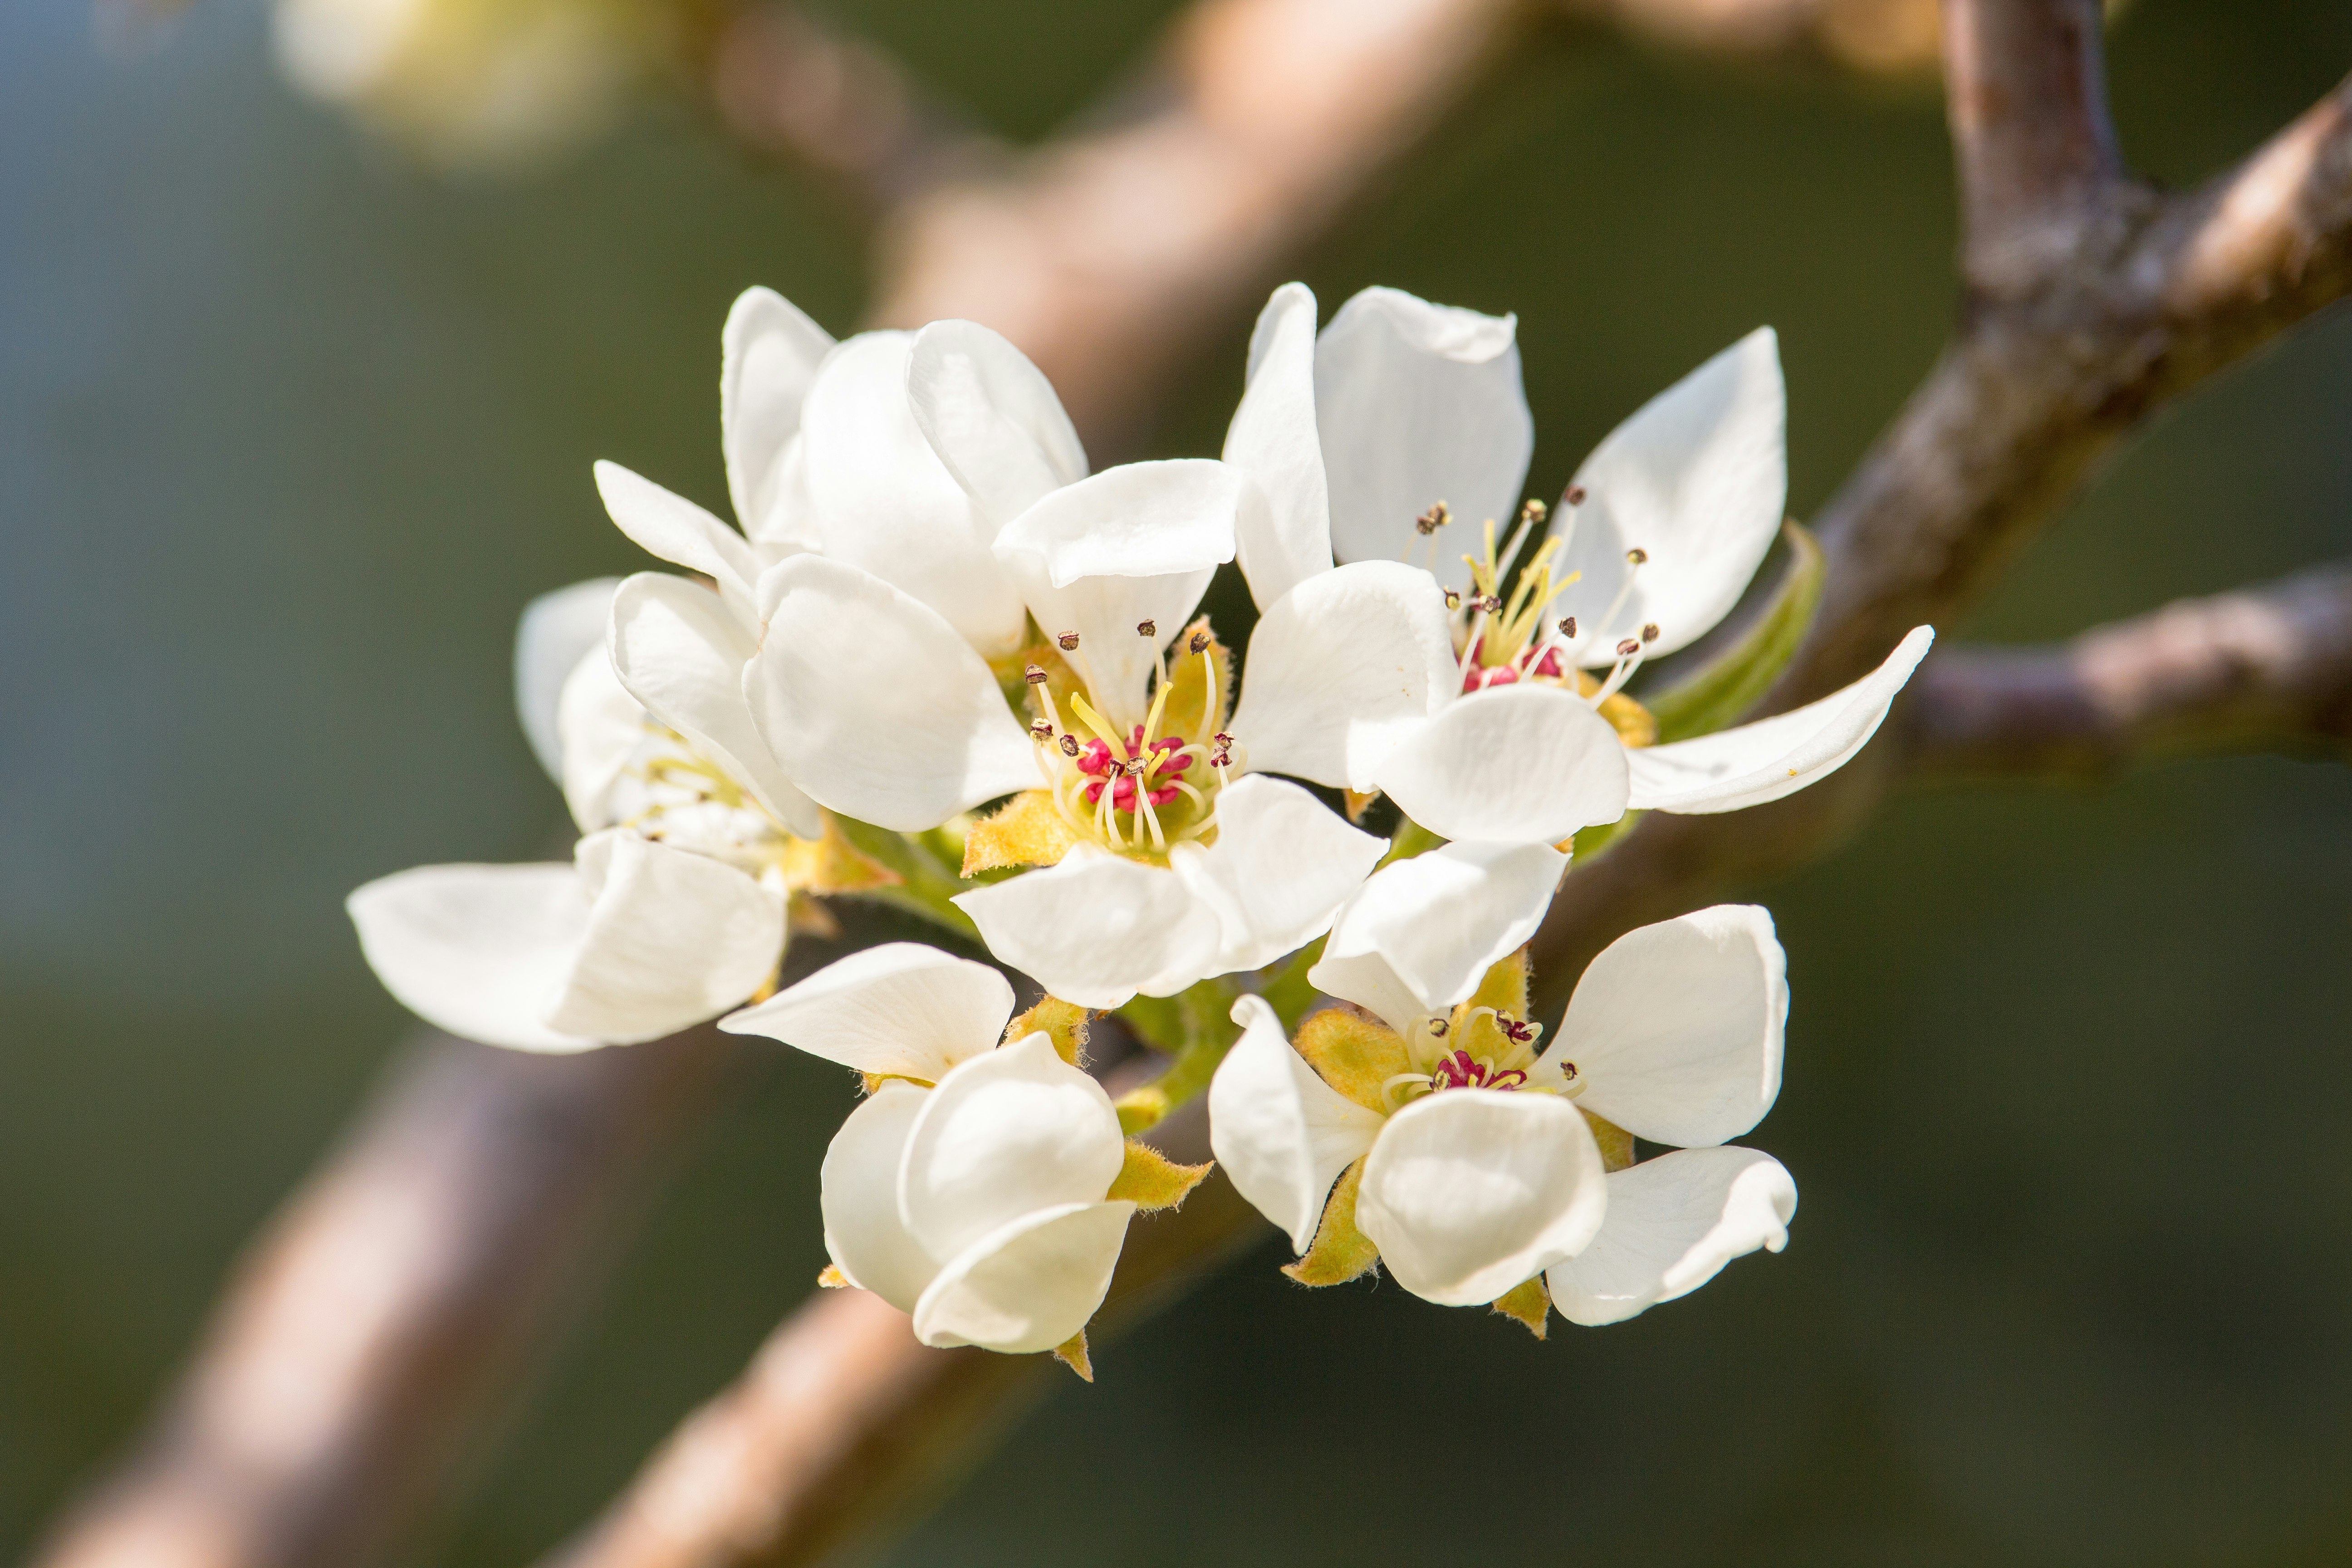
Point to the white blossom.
(1403, 421)
(1481, 1168)
(971, 1189)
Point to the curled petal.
(478, 950)
(1470, 1192)
(1518, 764)
(599, 726)
(1675, 1029)
(1698, 480)
(556, 631)
(770, 352)
(634, 942)
(1096, 929)
(1273, 439)
(1674, 1222)
(1030, 1286)
(875, 707)
(1418, 404)
(1131, 545)
(1435, 923)
(682, 655)
(1342, 668)
(1281, 865)
(668, 525)
(1006, 1133)
(858, 1195)
(673, 937)
(901, 1009)
(1751, 764)
(1281, 1133)
(991, 417)
(877, 497)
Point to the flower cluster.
(943, 663)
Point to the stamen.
(1069, 745)
(1628, 648)
(1433, 520)
(1200, 643)
(1636, 556)
(1034, 675)
(1067, 642)
(1040, 731)
(1437, 1026)
(1568, 628)
(1147, 628)
(1575, 496)
(1453, 599)
(1650, 632)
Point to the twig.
(2267, 669)
(372, 1328)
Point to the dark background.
(289, 432)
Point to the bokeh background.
(290, 430)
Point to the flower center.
(1503, 640)
(1477, 1047)
(673, 795)
(1138, 792)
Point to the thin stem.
(927, 887)
(1200, 1020)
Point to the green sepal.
(1528, 1304)
(1588, 843)
(1072, 1352)
(1064, 1023)
(1715, 694)
(1339, 1252)
(1150, 1180)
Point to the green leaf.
(1715, 694)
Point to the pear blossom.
(1163, 856)
(1375, 438)
(674, 906)
(1429, 1131)
(982, 1188)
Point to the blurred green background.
(289, 431)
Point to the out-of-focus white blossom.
(494, 84)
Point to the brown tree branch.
(370, 1330)
(2260, 669)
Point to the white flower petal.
(858, 1194)
(991, 417)
(1512, 764)
(770, 352)
(1006, 1133)
(1131, 545)
(1032, 1286)
(1369, 982)
(1751, 764)
(881, 500)
(1698, 479)
(1278, 1131)
(1418, 404)
(1675, 1029)
(556, 630)
(477, 950)
(874, 706)
(900, 1009)
(1273, 439)
(673, 937)
(1096, 928)
(1674, 1222)
(1281, 865)
(682, 655)
(1342, 668)
(1437, 921)
(599, 726)
(1471, 1192)
(668, 525)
